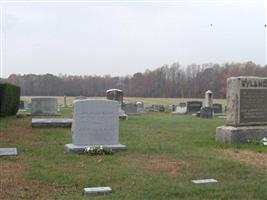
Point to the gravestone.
(246, 116)
(194, 106)
(51, 122)
(95, 123)
(44, 106)
(140, 107)
(208, 99)
(217, 108)
(8, 151)
(65, 102)
(130, 109)
(181, 109)
(23, 105)
(206, 112)
(161, 108)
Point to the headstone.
(193, 106)
(140, 107)
(217, 108)
(44, 106)
(205, 181)
(65, 102)
(8, 151)
(208, 99)
(23, 105)
(51, 122)
(206, 112)
(115, 95)
(246, 117)
(155, 108)
(95, 191)
(130, 109)
(95, 123)
(180, 110)
(161, 108)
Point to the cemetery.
(85, 150)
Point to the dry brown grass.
(15, 186)
(162, 164)
(258, 160)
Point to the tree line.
(167, 81)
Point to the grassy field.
(164, 154)
(147, 101)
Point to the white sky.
(124, 38)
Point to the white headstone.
(180, 110)
(95, 123)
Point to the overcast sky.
(124, 38)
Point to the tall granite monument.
(246, 116)
(95, 123)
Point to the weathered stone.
(115, 95)
(180, 110)
(130, 109)
(23, 105)
(8, 152)
(194, 106)
(51, 122)
(241, 134)
(44, 106)
(65, 102)
(246, 116)
(208, 99)
(95, 191)
(95, 123)
(206, 112)
(246, 101)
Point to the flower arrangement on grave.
(98, 150)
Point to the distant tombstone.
(130, 109)
(65, 102)
(44, 106)
(23, 105)
(194, 106)
(161, 108)
(140, 107)
(180, 110)
(155, 108)
(208, 99)
(95, 123)
(206, 112)
(217, 108)
(115, 95)
(182, 104)
(246, 116)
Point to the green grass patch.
(164, 153)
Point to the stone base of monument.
(243, 134)
(80, 149)
(51, 122)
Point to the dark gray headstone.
(206, 112)
(193, 106)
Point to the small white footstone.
(205, 181)
(8, 151)
(97, 190)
